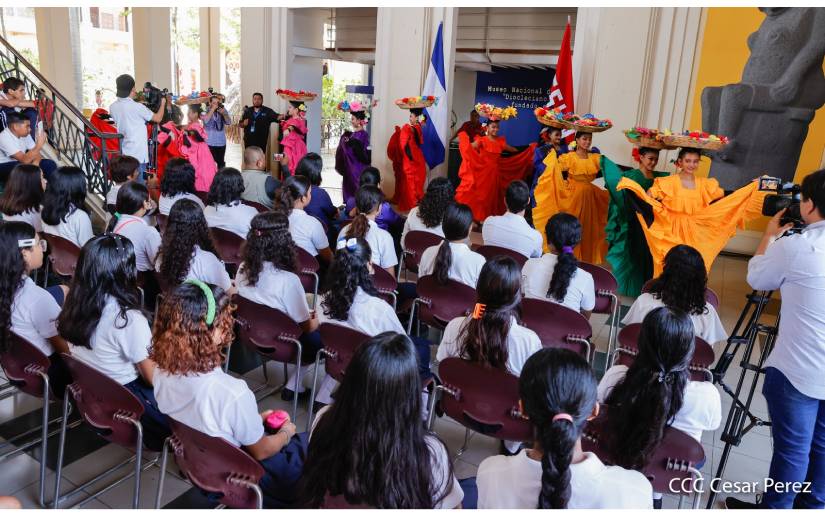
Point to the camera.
(152, 95)
(786, 195)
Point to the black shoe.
(736, 503)
(289, 394)
(657, 503)
(317, 406)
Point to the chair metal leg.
(61, 447)
(412, 316)
(44, 436)
(46, 273)
(433, 400)
(266, 373)
(464, 445)
(314, 387)
(259, 496)
(297, 379)
(138, 456)
(164, 458)
(226, 360)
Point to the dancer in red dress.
(404, 150)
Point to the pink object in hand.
(276, 419)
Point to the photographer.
(130, 118)
(794, 385)
(215, 122)
(255, 122)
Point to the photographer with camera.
(215, 121)
(130, 118)
(255, 121)
(794, 384)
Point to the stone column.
(152, 37)
(210, 49)
(59, 49)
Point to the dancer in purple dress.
(354, 153)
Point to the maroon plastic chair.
(258, 206)
(385, 284)
(711, 297)
(202, 196)
(162, 221)
(439, 304)
(271, 334)
(700, 364)
(228, 245)
(340, 344)
(558, 326)
(111, 410)
(63, 256)
(607, 299)
(340, 502)
(414, 245)
(481, 399)
(308, 268)
(491, 251)
(214, 465)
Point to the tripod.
(740, 411)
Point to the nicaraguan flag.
(435, 130)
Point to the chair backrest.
(210, 462)
(385, 283)
(440, 304)
(603, 280)
(258, 206)
(340, 343)
(557, 325)
(228, 245)
(703, 355)
(63, 254)
(22, 362)
(102, 402)
(711, 297)
(266, 330)
(414, 244)
(162, 221)
(483, 399)
(202, 196)
(491, 251)
(308, 267)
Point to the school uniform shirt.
(235, 217)
(465, 267)
(708, 326)
(381, 245)
(205, 267)
(537, 273)
(515, 483)
(214, 403)
(11, 144)
(117, 344)
(145, 239)
(75, 227)
(307, 232)
(368, 314)
(414, 223)
(30, 217)
(34, 315)
(701, 406)
(165, 203)
(281, 290)
(521, 343)
(511, 231)
(130, 118)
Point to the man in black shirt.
(255, 121)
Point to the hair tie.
(210, 299)
(257, 232)
(478, 310)
(562, 416)
(28, 242)
(117, 215)
(567, 249)
(349, 243)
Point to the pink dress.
(199, 155)
(294, 144)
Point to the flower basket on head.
(550, 117)
(416, 102)
(296, 96)
(696, 140)
(496, 114)
(644, 137)
(195, 97)
(586, 123)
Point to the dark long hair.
(65, 192)
(652, 392)
(311, 166)
(23, 191)
(457, 222)
(106, 267)
(130, 199)
(268, 240)
(557, 381)
(226, 188)
(484, 340)
(683, 281)
(370, 447)
(12, 271)
(292, 189)
(563, 230)
(348, 271)
(433, 204)
(185, 229)
(367, 200)
(178, 178)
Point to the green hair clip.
(210, 299)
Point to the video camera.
(152, 95)
(786, 196)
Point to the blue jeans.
(798, 428)
(155, 423)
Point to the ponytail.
(443, 262)
(558, 440)
(359, 226)
(368, 198)
(130, 199)
(564, 232)
(456, 226)
(292, 189)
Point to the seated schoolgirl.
(453, 259)
(23, 196)
(308, 233)
(556, 276)
(105, 326)
(122, 169)
(187, 250)
(320, 206)
(132, 204)
(224, 209)
(62, 212)
(193, 326)
(387, 219)
(368, 201)
(178, 183)
(681, 286)
(558, 395)
(369, 447)
(429, 213)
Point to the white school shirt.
(369, 315)
(145, 239)
(515, 483)
(205, 267)
(414, 223)
(165, 203)
(381, 244)
(75, 227)
(521, 343)
(701, 407)
(707, 326)
(307, 232)
(130, 118)
(6, 97)
(214, 403)
(117, 345)
(34, 315)
(235, 217)
(281, 290)
(465, 267)
(11, 144)
(537, 273)
(511, 231)
(30, 217)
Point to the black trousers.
(218, 154)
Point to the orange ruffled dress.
(485, 175)
(691, 217)
(409, 165)
(576, 195)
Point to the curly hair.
(227, 187)
(24, 190)
(683, 281)
(348, 271)
(12, 271)
(182, 342)
(178, 178)
(65, 192)
(185, 229)
(438, 196)
(268, 240)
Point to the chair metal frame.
(570, 338)
(51, 239)
(422, 300)
(414, 254)
(613, 312)
(380, 275)
(308, 266)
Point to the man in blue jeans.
(794, 386)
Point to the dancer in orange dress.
(404, 150)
